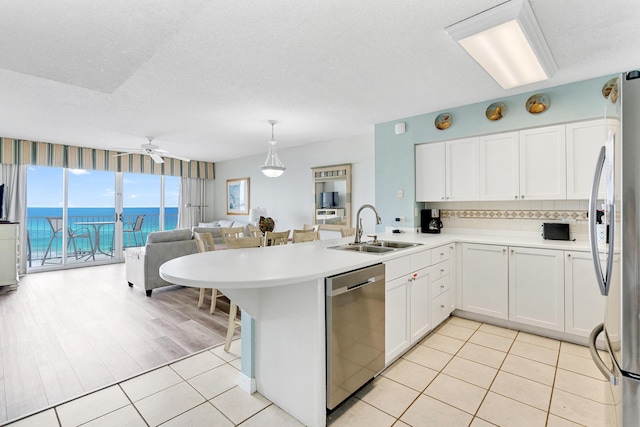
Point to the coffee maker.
(430, 221)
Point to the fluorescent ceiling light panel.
(507, 42)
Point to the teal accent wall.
(394, 154)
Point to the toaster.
(555, 231)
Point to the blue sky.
(89, 189)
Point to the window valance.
(23, 152)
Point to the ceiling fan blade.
(156, 157)
(173, 156)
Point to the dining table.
(97, 227)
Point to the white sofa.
(142, 264)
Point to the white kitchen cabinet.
(584, 140)
(499, 167)
(8, 254)
(461, 171)
(485, 276)
(584, 304)
(536, 287)
(419, 304)
(543, 163)
(396, 326)
(430, 172)
(407, 304)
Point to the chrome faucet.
(359, 222)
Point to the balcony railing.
(86, 241)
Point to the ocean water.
(40, 231)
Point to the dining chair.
(300, 236)
(135, 229)
(313, 227)
(233, 232)
(243, 242)
(254, 231)
(204, 241)
(347, 231)
(274, 238)
(57, 227)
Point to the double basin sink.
(376, 247)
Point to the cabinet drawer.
(441, 253)
(441, 308)
(439, 286)
(439, 270)
(397, 267)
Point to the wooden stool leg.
(214, 300)
(201, 298)
(233, 310)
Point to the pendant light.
(272, 166)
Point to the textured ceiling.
(204, 77)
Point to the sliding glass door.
(82, 217)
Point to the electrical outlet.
(399, 219)
(400, 194)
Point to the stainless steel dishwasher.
(355, 330)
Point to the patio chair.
(57, 227)
(135, 230)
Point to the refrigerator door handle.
(596, 356)
(593, 200)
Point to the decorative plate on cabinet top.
(496, 111)
(538, 103)
(610, 90)
(443, 121)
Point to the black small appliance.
(430, 221)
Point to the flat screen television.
(329, 199)
(1, 201)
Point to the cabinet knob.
(504, 250)
(568, 255)
(441, 286)
(442, 198)
(441, 305)
(442, 270)
(522, 196)
(515, 197)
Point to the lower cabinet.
(584, 304)
(485, 280)
(547, 288)
(407, 317)
(536, 287)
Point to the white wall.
(289, 198)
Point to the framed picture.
(238, 196)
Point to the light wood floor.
(65, 333)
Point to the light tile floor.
(465, 373)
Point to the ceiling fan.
(151, 150)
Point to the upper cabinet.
(584, 140)
(461, 172)
(499, 169)
(430, 172)
(543, 163)
(547, 163)
(447, 171)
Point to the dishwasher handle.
(352, 287)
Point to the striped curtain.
(22, 152)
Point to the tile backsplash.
(521, 216)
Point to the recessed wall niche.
(332, 195)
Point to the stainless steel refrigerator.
(618, 169)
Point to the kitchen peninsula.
(283, 289)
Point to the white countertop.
(290, 264)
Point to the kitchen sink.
(379, 247)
